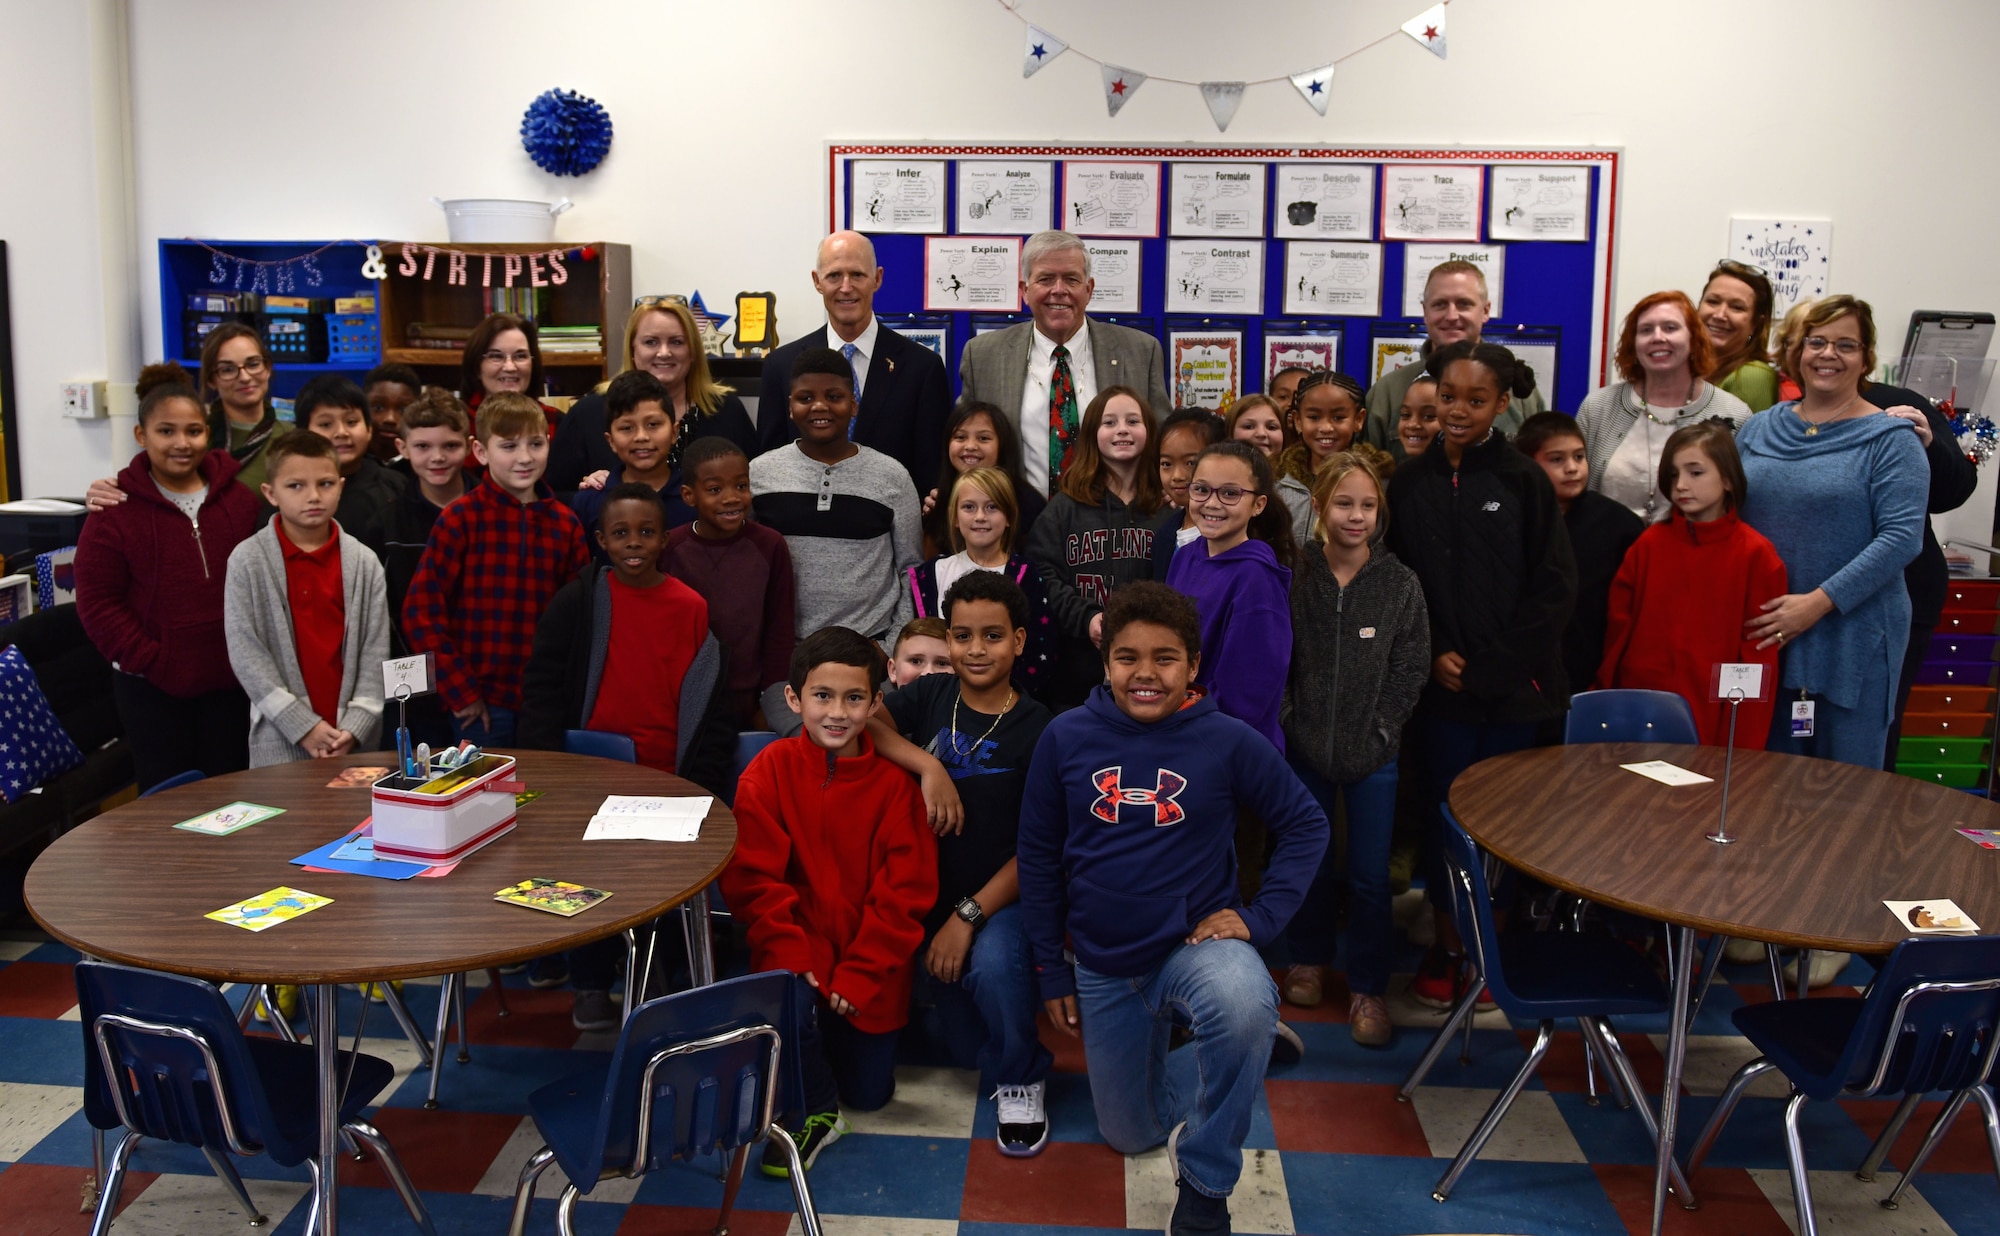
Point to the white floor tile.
(505, 1172)
(1405, 1011)
(176, 1205)
(928, 1103)
(14, 950)
(1850, 1207)
(875, 1225)
(1260, 1204)
(1713, 1058)
(1532, 1132)
(30, 1112)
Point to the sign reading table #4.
(403, 677)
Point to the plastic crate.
(295, 337)
(1956, 776)
(1951, 699)
(1956, 673)
(1973, 594)
(1936, 750)
(1969, 622)
(1947, 724)
(1963, 647)
(353, 338)
(195, 325)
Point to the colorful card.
(525, 797)
(1984, 838)
(555, 896)
(269, 909)
(1939, 916)
(225, 820)
(1667, 774)
(360, 777)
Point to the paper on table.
(629, 817)
(1667, 774)
(1939, 916)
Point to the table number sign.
(406, 677)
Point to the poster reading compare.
(972, 272)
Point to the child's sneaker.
(1286, 1046)
(822, 1130)
(1024, 1119)
(375, 993)
(1198, 1214)
(550, 971)
(288, 1004)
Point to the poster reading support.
(1420, 260)
(1797, 254)
(1215, 276)
(1540, 203)
(1114, 265)
(1300, 352)
(1014, 197)
(1325, 201)
(1329, 277)
(1111, 199)
(972, 272)
(1432, 201)
(1217, 199)
(1206, 367)
(897, 196)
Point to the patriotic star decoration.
(1316, 86)
(1430, 34)
(1039, 51)
(1118, 87)
(32, 734)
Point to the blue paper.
(380, 868)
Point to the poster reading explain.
(1114, 265)
(1014, 197)
(1331, 277)
(1217, 199)
(897, 196)
(1432, 201)
(1390, 354)
(1215, 276)
(1797, 254)
(1325, 201)
(1419, 260)
(972, 272)
(1540, 203)
(1300, 351)
(1111, 199)
(1206, 367)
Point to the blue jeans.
(1371, 936)
(989, 1014)
(1854, 735)
(500, 733)
(1454, 747)
(843, 1066)
(1221, 991)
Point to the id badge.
(1802, 719)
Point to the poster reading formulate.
(1218, 199)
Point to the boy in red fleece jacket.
(835, 868)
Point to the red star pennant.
(1428, 29)
(1120, 84)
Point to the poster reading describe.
(1206, 367)
(1111, 199)
(1325, 201)
(972, 272)
(1218, 199)
(896, 196)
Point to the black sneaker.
(1024, 1119)
(550, 971)
(822, 1130)
(1287, 1047)
(594, 1010)
(1198, 1214)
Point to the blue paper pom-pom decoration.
(565, 132)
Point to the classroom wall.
(288, 119)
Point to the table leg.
(1670, 1089)
(701, 949)
(326, 1040)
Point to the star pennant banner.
(1042, 48)
(1427, 28)
(1316, 86)
(1222, 99)
(1120, 85)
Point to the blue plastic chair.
(164, 1058)
(1629, 715)
(711, 1069)
(189, 777)
(603, 745)
(1544, 977)
(748, 744)
(1927, 1024)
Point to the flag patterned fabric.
(33, 744)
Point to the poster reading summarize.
(894, 196)
(1111, 199)
(972, 272)
(1215, 276)
(1329, 277)
(1432, 201)
(1206, 368)
(1014, 197)
(1218, 199)
(1114, 266)
(1540, 203)
(1325, 201)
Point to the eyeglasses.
(1734, 267)
(659, 302)
(1820, 343)
(1228, 495)
(226, 371)
(501, 358)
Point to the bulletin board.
(1241, 260)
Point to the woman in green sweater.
(1735, 309)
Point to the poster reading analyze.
(1332, 277)
(891, 195)
(1301, 352)
(1215, 276)
(972, 272)
(1540, 203)
(1431, 201)
(1419, 260)
(1114, 266)
(1206, 367)
(1218, 199)
(1111, 199)
(1014, 197)
(1325, 201)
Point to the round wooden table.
(129, 887)
(1818, 847)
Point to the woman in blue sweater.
(1839, 488)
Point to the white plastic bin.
(499, 220)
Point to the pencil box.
(447, 817)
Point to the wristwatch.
(974, 916)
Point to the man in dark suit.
(902, 387)
(1043, 373)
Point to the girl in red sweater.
(149, 584)
(1690, 583)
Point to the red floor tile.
(1562, 1069)
(1332, 1008)
(535, 1018)
(1067, 1048)
(42, 1200)
(37, 989)
(446, 1151)
(693, 1221)
(1344, 1118)
(1963, 1149)
(1731, 1203)
(1760, 993)
(1074, 1184)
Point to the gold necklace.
(1813, 427)
(966, 752)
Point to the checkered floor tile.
(1331, 1150)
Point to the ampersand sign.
(373, 267)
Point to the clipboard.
(1940, 332)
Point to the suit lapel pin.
(890, 363)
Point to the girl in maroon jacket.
(149, 584)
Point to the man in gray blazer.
(1042, 374)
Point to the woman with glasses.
(240, 417)
(501, 356)
(1735, 313)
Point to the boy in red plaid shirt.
(494, 559)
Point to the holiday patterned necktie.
(850, 352)
(1062, 416)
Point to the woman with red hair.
(1662, 352)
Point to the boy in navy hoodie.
(1127, 848)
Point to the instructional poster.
(1215, 276)
(1217, 199)
(1332, 278)
(1419, 260)
(1014, 197)
(1206, 367)
(1325, 201)
(1300, 351)
(1540, 203)
(972, 272)
(1111, 199)
(1114, 266)
(895, 196)
(1432, 201)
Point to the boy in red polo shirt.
(306, 615)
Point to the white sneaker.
(1826, 967)
(1024, 1119)
(1743, 952)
